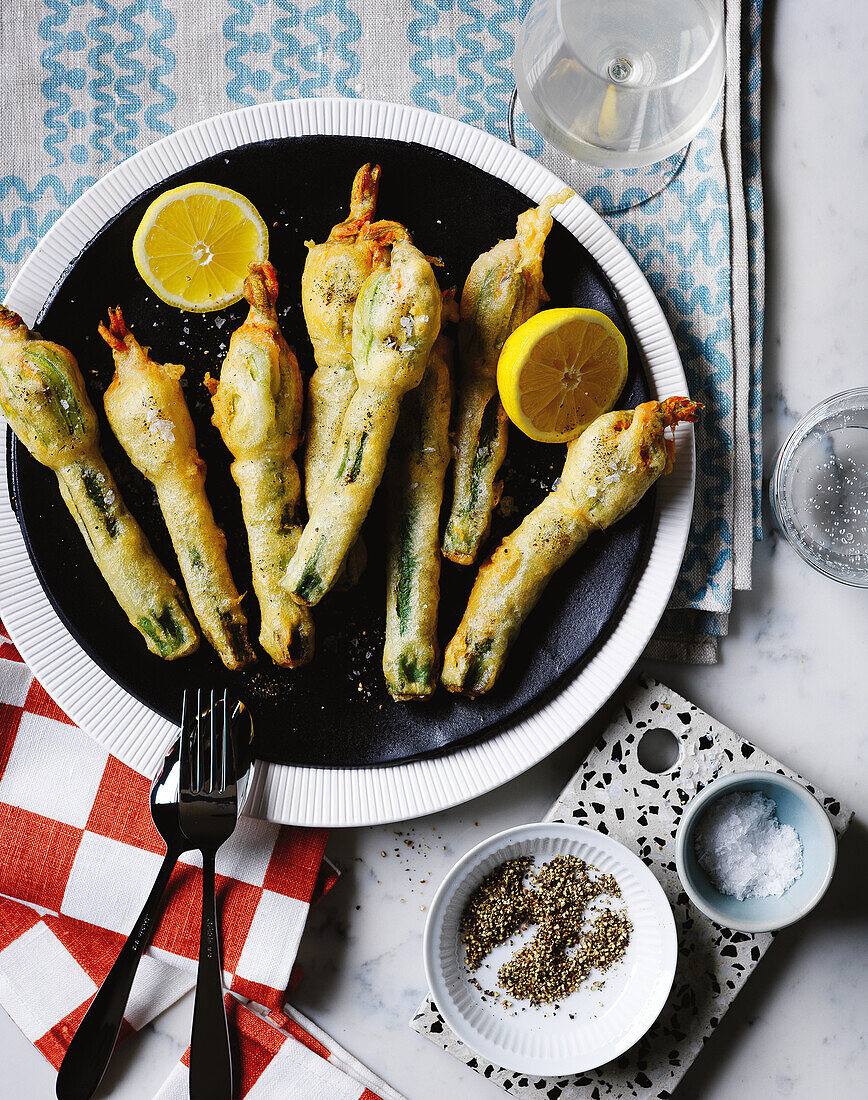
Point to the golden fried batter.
(146, 409)
(415, 474)
(607, 471)
(330, 283)
(395, 323)
(257, 410)
(43, 397)
(503, 290)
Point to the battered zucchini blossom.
(607, 471)
(43, 398)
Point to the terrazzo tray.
(614, 793)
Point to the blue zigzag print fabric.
(94, 81)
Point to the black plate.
(336, 712)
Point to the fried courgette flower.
(607, 471)
(503, 290)
(333, 275)
(395, 323)
(415, 478)
(43, 398)
(257, 410)
(146, 409)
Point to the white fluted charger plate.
(342, 796)
(591, 1026)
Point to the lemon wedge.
(559, 371)
(195, 243)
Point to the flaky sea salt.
(158, 426)
(744, 849)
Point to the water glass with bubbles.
(620, 83)
(819, 488)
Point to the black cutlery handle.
(91, 1048)
(210, 1056)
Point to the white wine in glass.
(620, 83)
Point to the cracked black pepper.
(555, 900)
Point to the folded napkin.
(286, 1057)
(78, 855)
(108, 84)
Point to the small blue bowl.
(796, 807)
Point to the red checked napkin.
(78, 855)
(290, 1058)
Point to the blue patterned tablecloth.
(92, 82)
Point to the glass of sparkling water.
(819, 487)
(620, 83)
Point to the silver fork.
(216, 767)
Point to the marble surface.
(792, 679)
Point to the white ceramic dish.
(343, 796)
(592, 1026)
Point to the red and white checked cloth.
(78, 855)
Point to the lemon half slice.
(195, 243)
(559, 371)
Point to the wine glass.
(620, 83)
